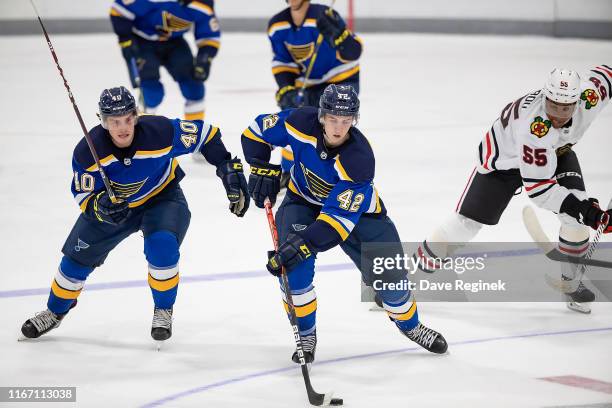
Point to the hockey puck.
(336, 401)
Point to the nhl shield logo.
(540, 127)
(127, 161)
(323, 155)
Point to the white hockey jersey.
(523, 138)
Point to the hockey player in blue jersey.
(139, 157)
(151, 35)
(293, 34)
(331, 200)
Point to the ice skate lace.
(43, 320)
(422, 335)
(162, 318)
(309, 343)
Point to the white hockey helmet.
(563, 86)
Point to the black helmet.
(116, 101)
(341, 100)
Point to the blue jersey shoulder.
(154, 132)
(357, 157)
(283, 16)
(151, 133)
(304, 119)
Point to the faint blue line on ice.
(246, 377)
(248, 274)
(184, 279)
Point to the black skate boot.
(427, 338)
(41, 323)
(161, 328)
(576, 300)
(309, 346)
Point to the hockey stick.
(111, 193)
(541, 239)
(313, 397)
(312, 59)
(137, 83)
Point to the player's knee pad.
(192, 90)
(162, 249)
(152, 92)
(457, 229)
(73, 270)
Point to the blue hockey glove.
(264, 181)
(289, 255)
(232, 176)
(331, 26)
(131, 52)
(201, 67)
(104, 210)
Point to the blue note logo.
(80, 245)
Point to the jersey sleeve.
(597, 89)
(86, 182)
(130, 9)
(207, 31)
(347, 201)
(284, 69)
(196, 136)
(263, 134)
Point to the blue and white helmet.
(116, 101)
(340, 100)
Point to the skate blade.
(159, 344)
(21, 337)
(376, 308)
(578, 307)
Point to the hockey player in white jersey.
(530, 146)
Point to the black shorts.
(486, 196)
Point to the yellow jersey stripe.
(250, 135)
(103, 161)
(159, 188)
(115, 13)
(405, 316)
(84, 203)
(165, 285)
(302, 311)
(287, 154)
(278, 26)
(212, 43)
(213, 131)
(152, 153)
(282, 68)
(344, 75)
(293, 189)
(194, 115)
(64, 293)
(202, 7)
(299, 135)
(335, 225)
(342, 171)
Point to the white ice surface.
(426, 101)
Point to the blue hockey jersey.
(339, 180)
(293, 48)
(157, 20)
(145, 168)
